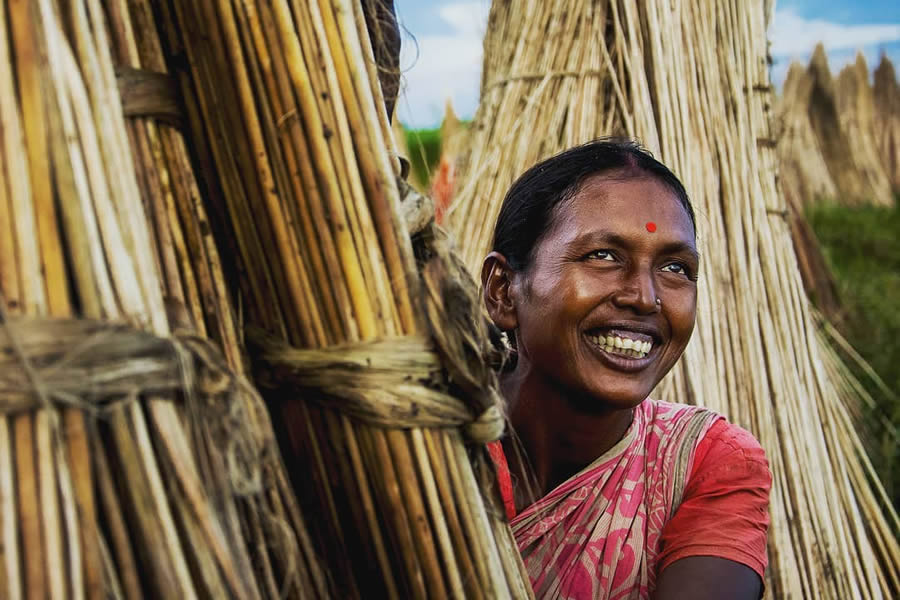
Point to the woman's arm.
(707, 578)
(715, 544)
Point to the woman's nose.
(638, 292)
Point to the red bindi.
(651, 226)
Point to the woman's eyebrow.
(681, 248)
(600, 237)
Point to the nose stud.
(658, 302)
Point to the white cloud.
(469, 18)
(792, 35)
(438, 67)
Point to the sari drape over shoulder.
(597, 535)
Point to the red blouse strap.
(503, 477)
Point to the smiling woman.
(618, 495)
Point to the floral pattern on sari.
(596, 535)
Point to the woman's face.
(592, 286)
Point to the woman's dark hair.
(529, 204)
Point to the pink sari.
(597, 534)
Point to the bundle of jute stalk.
(133, 462)
(857, 111)
(690, 79)
(286, 106)
(192, 273)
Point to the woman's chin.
(617, 381)
(603, 398)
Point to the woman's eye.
(676, 268)
(601, 255)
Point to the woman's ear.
(499, 297)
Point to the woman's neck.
(559, 439)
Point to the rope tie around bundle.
(99, 367)
(396, 382)
(95, 365)
(411, 381)
(540, 76)
(147, 93)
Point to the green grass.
(425, 152)
(862, 247)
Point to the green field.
(862, 248)
(425, 152)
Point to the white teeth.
(622, 346)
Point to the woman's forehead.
(642, 205)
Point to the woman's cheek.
(682, 316)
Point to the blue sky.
(444, 59)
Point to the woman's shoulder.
(721, 435)
(721, 446)
(727, 446)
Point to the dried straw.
(152, 494)
(308, 193)
(704, 110)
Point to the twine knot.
(487, 427)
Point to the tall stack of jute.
(836, 135)
(134, 458)
(690, 79)
(859, 115)
(376, 388)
